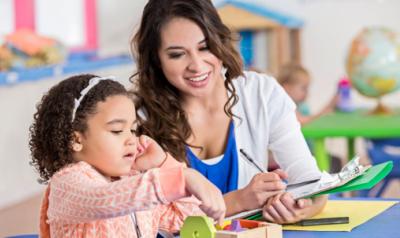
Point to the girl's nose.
(132, 140)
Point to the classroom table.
(358, 123)
(384, 225)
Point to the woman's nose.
(196, 63)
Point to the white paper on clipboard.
(350, 171)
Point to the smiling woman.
(188, 64)
(195, 100)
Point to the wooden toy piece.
(273, 230)
(255, 229)
(202, 227)
(235, 226)
(224, 225)
(227, 228)
(198, 227)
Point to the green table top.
(355, 124)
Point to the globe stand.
(380, 109)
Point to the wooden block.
(266, 230)
(274, 230)
(259, 232)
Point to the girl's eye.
(116, 132)
(134, 131)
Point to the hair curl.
(165, 120)
(51, 132)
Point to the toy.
(202, 227)
(344, 90)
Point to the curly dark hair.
(166, 121)
(51, 132)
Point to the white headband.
(93, 82)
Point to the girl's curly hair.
(51, 132)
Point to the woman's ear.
(77, 145)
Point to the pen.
(295, 185)
(323, 221)
(289, 186)
(246, 156)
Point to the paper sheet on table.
(358, 212)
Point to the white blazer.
(267, 120)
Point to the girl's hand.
(282, 208)
(149, 154)
(261, 187)
(212, 201)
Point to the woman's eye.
(204, 48)
(175, 55)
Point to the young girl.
(295, 79)
(104, 181)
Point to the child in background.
(295, 79)
(103, 180)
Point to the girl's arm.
(328, 108)
(171, 217)
(80, 194)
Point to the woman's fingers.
(282, 174)
(272, 211)
(284, 207)
(303, 203)
(261, 187)
(289, 202)
(270, 182)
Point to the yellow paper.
(358, 212)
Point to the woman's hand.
(261, 187)
(282, 208)
(212, 201)
(149, 154)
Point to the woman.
(201, 107)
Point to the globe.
(373, 62)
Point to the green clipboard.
(367, 180)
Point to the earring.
(223, 72)
(77, 147)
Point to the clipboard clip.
(352, 168)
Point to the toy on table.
(202, 227)
(344, 103)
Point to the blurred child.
(295, 79)
(103, 180)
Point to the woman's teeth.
(199, 78)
